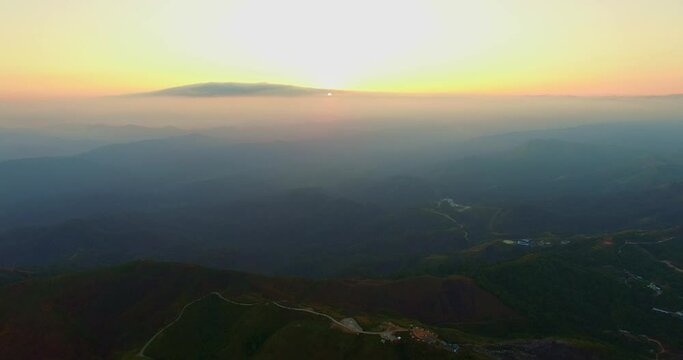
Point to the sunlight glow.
(483, 46)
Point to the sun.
(335, 44)
(330, 44)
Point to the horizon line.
(158, 92)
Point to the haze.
(463, 115)
(328, 179)
(565, 47)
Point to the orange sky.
(578, 47)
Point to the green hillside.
(214, 329)
(112, 313)
(592, 287)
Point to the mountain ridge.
(226, 89)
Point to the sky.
(73, 48)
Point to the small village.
(527, 242)
(418, 334)
(431, 338)
(637, 279)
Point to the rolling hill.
(111, 312)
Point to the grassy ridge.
(213, 329)
(593, 288)
(107, 312)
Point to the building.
(655, 288)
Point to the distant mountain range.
(224, 89)
(218, 89)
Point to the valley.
(341, 180)
(275, 248)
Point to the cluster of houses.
(520, 242)
(526, 242)
(390, 338)
(639, 279)
(431, 338)
(652, 286)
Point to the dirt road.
(450, 218)
(353, 329)
(395, 329)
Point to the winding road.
(385, 334)
(649, 242)
(662, 349)
(231, 301)
(668, 263)
(141, 353)
(343, 325)
(450, 218)
(671, 265)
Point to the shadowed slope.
(108, 312)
